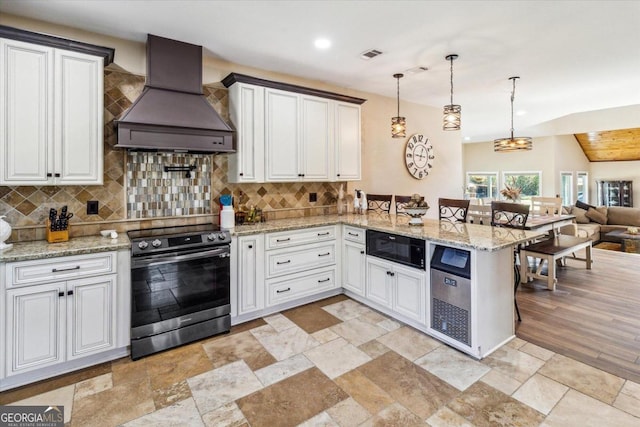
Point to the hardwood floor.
(593, 316)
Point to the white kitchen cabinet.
(51, 116)
(53, 323)
(250, 273)
(288, 133)
(246, 108)
(282, 135)
(353, 259)
(347, 142)
(394, 286)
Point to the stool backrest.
(379, 202)
(454, 210)
(546, 205)
(508, 214)
(401, 203)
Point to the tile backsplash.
(137, 193)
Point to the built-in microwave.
(393, 247)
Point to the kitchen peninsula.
(284, 263)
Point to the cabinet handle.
(241, 174)
(60, 294)
(326, 254)
(49, 175)
(324, 234)
(353, 234)
(337, 174)
(362, 252)
(391, 273)
(283, 262)
(279, 291)
(250, 246)
(70, 292)
(58, 270)
(283, 240)
(324, 280)
(57, 175)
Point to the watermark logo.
(31, 416)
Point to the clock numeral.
(415, 170)
(409, 155)
(430, 166)
(410, 164)
(410, 145)
(432, 157)
(420, 174)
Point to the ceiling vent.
(370, 54)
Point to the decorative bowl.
(416, 215)
(632, 230)
(5, 233)
(106, 233)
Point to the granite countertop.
(473, 236)
(41, 249)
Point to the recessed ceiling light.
(322, 43)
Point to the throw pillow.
(596, 216)
(583, 205)
(581, 215)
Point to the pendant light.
(451, 119)
(519, 143)
(398, 124)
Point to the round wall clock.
(418, 156)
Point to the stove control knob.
(211, 237)
(156, 243)
(221, 236)
(143, 245)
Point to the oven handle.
(222, 252)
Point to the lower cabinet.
(397, 287)
(250, 273)
(57, 322)
(353, 260)
(300, 285)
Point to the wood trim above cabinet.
(57, 42)
(243, 78)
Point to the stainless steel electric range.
(180, 286)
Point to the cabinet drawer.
(293, 260)
(285, 239)
(62, 268)
(354, 234)
(301, 285)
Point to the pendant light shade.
(451, 119)
(518, 143)
(398, 124)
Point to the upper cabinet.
(291, 133)
(51, 114)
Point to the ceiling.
(611, 145)
(572, 56)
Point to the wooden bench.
(550, 251)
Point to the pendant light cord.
(451, 59)
(513, 95)
(398, 94)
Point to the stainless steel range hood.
(172, 114)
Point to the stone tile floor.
(338, 363)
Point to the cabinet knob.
(60, 294)
(338, 175)
(70, 292)
(57, 175)
(49, 175)
(362, 252)
(241, 174)
(250, 246)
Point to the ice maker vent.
(450, 320)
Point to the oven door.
(174, 290)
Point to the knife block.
(57, 236)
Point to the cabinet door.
(282, 136)
(26, 113)
(250, 273)
(409, 293)
(79, 115)
(35, 327)
(378, 281)
(353, 267)
(246, 108)
(347, 141)
(316, 139)
(91, 315)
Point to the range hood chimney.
(172, 114)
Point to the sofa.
(596, 222)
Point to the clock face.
(418, 156)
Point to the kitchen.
(121, 168)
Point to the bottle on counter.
(356, 202)
(227, 218)
(364, 205)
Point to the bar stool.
(454, 210)
(511, 215)
(379, 202)
(401, 203)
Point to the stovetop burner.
(176, 239)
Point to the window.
(527, 182)
(566, 188)
(482, 185)
(582, 186)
